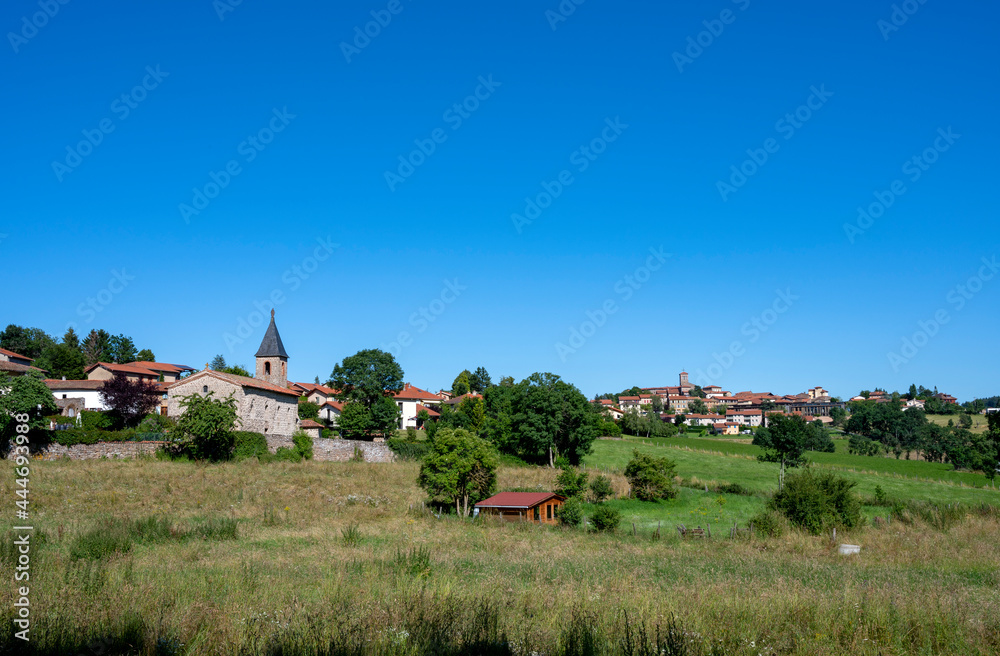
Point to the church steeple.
(272, 359)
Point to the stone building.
(264, 404)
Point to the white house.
(88, 390)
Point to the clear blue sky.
(552, 86)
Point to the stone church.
(264, 404)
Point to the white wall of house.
(91, 398)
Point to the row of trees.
(70, 356)
(908, 431)
(540, 419)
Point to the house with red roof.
(411, 399)
(15, 364)
(539, 507)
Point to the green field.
(170, 558)
(978, 421)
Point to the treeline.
(70, 356)
(541, 419)
(883, 427)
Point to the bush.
(862, 446)
(72, 436)
(733, 488)
(411, 433)
(303, 444)
(248, 444)
(91, 420)
(606, 519)
(768, 523)
(570, 484)
(816, 502)
(308, 410)
(651, 478)
(407, 450)
(600, 489)
(570, 513)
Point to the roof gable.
(271, 345)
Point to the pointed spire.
(271, 345)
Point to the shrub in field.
(817, 501)
(859, 445)
(570, 513)
(91, 420)
(303, 444)
(768, 523)
(407, 450)
(205, 428)
(733, 488)
(569, 483)
(600, 489)
(606, 519)
(248, 444)
(651, 478)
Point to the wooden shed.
(523, 506)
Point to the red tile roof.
(124, 368)
(336, 405)
(19, 368)
(459, 399)
(161, 366)
(518, 499)
(74, 384)
(309, 423)
(430, 411)
(415, 393)
(11, 354)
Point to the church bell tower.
(272, 359)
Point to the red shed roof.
(518, 499)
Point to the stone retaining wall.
(324, 450)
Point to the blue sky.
(757, 285)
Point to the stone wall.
(324, 450)
(97, 451)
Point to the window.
(537, 514)
(204, 389)
(267, 368)
(548, 509)
(64, 396)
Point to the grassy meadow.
(157, 557)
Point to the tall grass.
(421, 585)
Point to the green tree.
(991, 451)
(29, 342)
(462, 384)
(472, 414)
(698, 407)
(651, 479)
(122, 349)
(218, 363)
(479, 380)
(499, 410)
(766, 406)
(817, 501)
(601, 489)
(62, 361)
(145, 355)
(23, 395)
(367, 376)
(699, 392)
(205, 429)
(459, 469)
(571, 483)
(657, 404)
(236, 370)
(308, 409)
(552, 418)
(97, 347)
(784, 441)
(838, 415)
